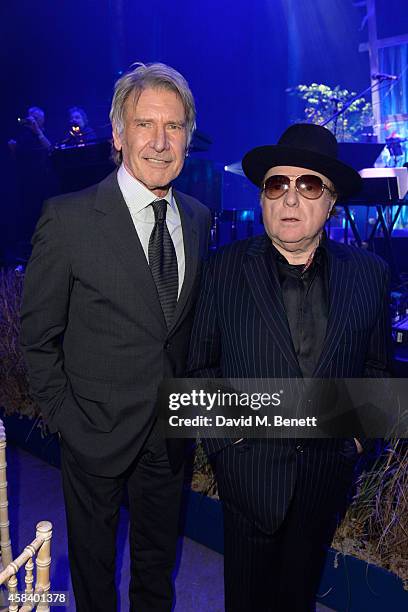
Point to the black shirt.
(306, 299)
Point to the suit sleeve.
(205, 345)
(378, 362)
(44, 314)
(204, 359)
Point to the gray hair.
(154, 76)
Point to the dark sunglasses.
(309, 186)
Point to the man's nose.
(159, 139)
(291, 197)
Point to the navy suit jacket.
(241, 331)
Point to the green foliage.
(375, 527)
(321, 102)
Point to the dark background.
(239, 58)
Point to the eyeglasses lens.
(308, 185)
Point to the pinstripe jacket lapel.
(262, 278)
(263, 283)
(341, 282)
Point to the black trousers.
(281, 572)
(92, 510)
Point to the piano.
(382, 186)
(386, 190)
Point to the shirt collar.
(320, 256)
(136, 195)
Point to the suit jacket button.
(167, 345)
(299, 448)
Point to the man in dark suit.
(288, 304)
(107, 314)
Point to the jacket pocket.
(93, 403)
(95, 390)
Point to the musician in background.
(30, 149)
(394, 152)
(31, 136)
(79, 131)
(394, 146)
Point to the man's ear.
(117, 141)
(333, 202)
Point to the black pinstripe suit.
(282, 496)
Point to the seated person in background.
(30, 149)
(31, 137)
(79, 130)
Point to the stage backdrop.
(240, 58)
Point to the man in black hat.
(289, 304)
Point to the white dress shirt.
(138, 199)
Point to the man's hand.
(36, 129)
(33, 125)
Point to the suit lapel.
(263, 282)
(191, 247)
(341, 282)
(117, 226)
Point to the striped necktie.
(163, 261)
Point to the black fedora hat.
(308, 146)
